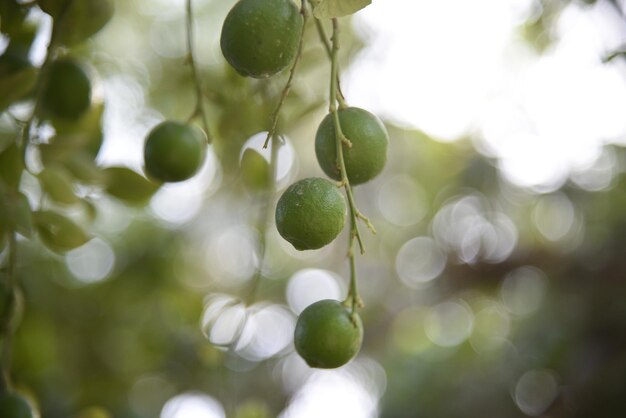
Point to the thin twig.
(328, 47)
(264, 219)
(353, 296)
(341, 138)
(199, 108)
(271, 132)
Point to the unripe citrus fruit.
(67, 91)
(366, 157)
(15, 406)
(327, 335)
(174, 151)
(310, 213)
(260, 37)
(256, 172)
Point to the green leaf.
(58, 232)
(90, 208)
(23, 216)
(52, 7)
(11, 166)
(83, 135)
(57, 182)
(76, 145)
(15, 214)
(15, 86)
(84, 169)
(255, 170)
(125, 184)
(82, 18)
(328, 9)
(12, 16)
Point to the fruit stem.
(292, 72)
(353, 298)
(328, 47)
(353, 294)
(340, 137)
(199, 109)
(264, 218)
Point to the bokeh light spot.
(535, 391)
(407, 330)
(286, 156)
(554, 216)
(402, 201)
(449, 323)
(523, 290)
(223, 320)
(335, 394)
(231, 254)
(91, 262)
(177, 203)
(420, 260)
(193, 405)
(310, 285)
(470, 228)
(492, 326)
(268, 331)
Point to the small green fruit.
(310, 213)
(256, 172)
(67, 90)
(260, 37)
(15, 406)
(366, 157)
(174, 151)
(327, 335)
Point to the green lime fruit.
(260, 37)
(256, 172)
(15, 406)
(366, 157)
(67, 90)
(310, 213)
(80, 19)
(327, 335)
(174, 151)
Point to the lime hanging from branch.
(310, 213)
(174, 151)
(260, 37)
(67, 90)
(366, 155)
(327, 335)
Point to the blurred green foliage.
(100, 340)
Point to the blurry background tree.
(496, 283)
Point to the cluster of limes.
(259, 39)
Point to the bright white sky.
(451, 67)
